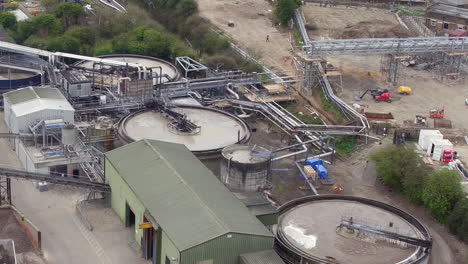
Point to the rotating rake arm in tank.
(179, 122)
(386, 234)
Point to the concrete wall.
(122, 194)
(226, 249)
(26, 161)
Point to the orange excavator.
(437, 113)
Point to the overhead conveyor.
(56, 178)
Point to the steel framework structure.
(5, 190)
(51, 178)
(379, 46)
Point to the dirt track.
(361, 73)
(252, 24)
(352, 22)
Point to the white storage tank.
(69, 135)
(437, 146)
(426, 135)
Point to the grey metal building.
(75, 83)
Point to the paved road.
(53, 213)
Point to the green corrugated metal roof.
(262, 257)
(186, 199)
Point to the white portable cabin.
(436, 148)
(76, 83)
(426, 135)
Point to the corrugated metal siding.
(167, 249)
(120, 194)
(224, 250)
(261, 257)
(6, 112)
(23, 122)
(269, 219)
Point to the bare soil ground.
(11, 229)
(252, 24)
(352, 22)
(361, 73)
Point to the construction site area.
(126, 158)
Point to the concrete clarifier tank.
(217, 129)
(69, 134)
(244, 168)
(349, 229)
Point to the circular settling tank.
(15, 78)
(244, 168)
(346, 229)
(216, 129)
(168, 69)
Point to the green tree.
(186, 8)
(24, 30)
(64, 44)
(46, 25)
(86, 36)
(441, 192)
(50, 4)
(401, 169)
(8, 20)
(103, 48)
(120, 43)
(69, 13)
(285, 10)
(35, 42)
(458, 220)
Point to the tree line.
(440, 191)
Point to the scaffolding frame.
(5, 190)
(451, 67)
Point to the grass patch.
(330, 107)
(298, 37)
(345, 145)
(306, 118)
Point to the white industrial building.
(76, 83)
(34, 112)
(27, 106)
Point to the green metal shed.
(194, 218)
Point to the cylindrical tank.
(68, 134)
(103, 129)
(347, 229)
(245, 168)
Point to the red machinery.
(383, 97)
(437, 113)
(378, 95)
(447, 156)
